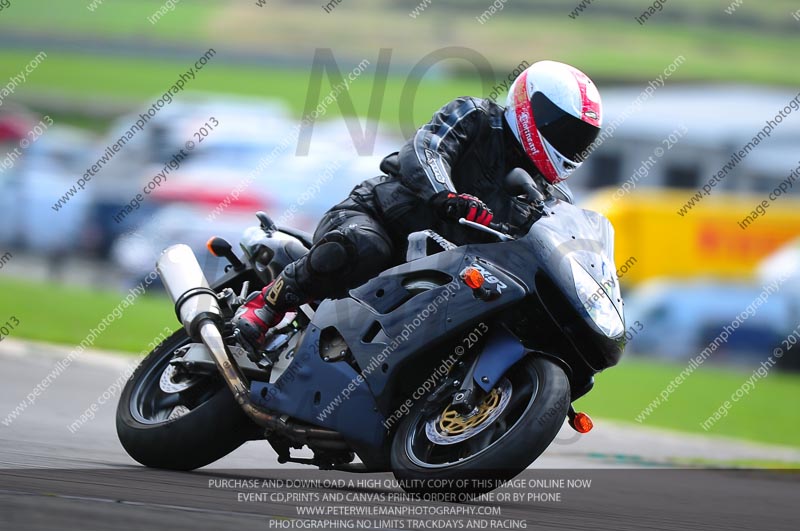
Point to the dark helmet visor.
(569, 135)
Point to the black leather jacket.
(467, 147)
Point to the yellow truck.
(722, 235)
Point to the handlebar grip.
(501, 227)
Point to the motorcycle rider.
(453, 167)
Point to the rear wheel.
(504, 434)
(167, 418)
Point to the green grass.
(60, 314)
(111, 19)
(608, 45)
(128, 18)
(146, 80)
(767, 414)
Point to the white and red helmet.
(555, 113)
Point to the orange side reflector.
(473, 278)
(582, 423)
(208, 246)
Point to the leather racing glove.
(454, 206)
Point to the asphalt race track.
(615, 478)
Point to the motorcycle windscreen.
(570, 239)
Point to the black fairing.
(538, 301)
(385, 316)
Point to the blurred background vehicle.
(683, 318)
(35, 183)
(783, 264)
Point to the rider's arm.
(426, 160)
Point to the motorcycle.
(462, 362)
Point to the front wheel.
(505, 433)
(170, 419)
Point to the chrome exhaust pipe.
(195, 302)
(209, 333)
(197, 309)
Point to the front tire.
(532, 414)
(182, 430)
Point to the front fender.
(501, 352)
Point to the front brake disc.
(451, 427)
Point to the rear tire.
(208, 431)
(508, 451)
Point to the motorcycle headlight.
(596, 302)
